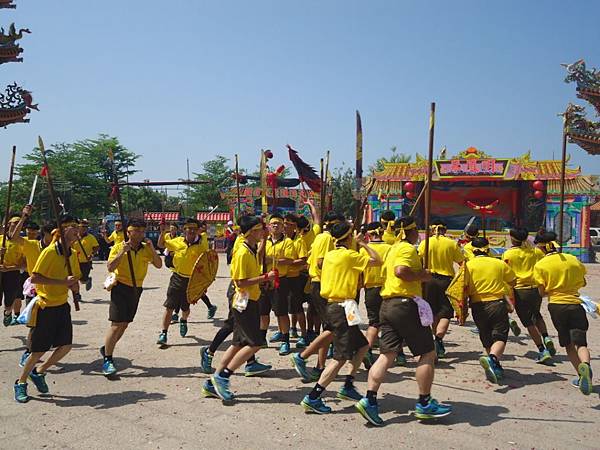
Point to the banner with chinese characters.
(473, 167)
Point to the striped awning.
(595, 206)
(167, 216)
(215, 216)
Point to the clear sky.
(191, 79)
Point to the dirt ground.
(155, 401)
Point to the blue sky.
(191, 79)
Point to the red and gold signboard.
(473, 167)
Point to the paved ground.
(155, 402)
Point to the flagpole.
(8, 198)
(428, 185)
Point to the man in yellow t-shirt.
(117, 236)
(308, 234)
(51, 317)
(521, 258)
(9, 271)
(340, 274)
(559, 276)
(247, 336)
(443, 254)
(125, 294)
(87, 246)
(470, 233)
(400, 322)
(487, 283)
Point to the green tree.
(342, 186)
(395, 158)
(217, 175)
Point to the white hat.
(229, 222)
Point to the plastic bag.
(240, 301)
(25, 315)
(29, 289)
(110, 281)
(425, 312)
(352, 312)
(590, 307)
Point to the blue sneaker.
(221, 386)
(316, 374)
(174, 318)
(276, 337)
(108, 368)
(162, 339)
(183, 328)
(284, 349)
(316, 406)
(293, 333)
(401, 360)
(348, 393)
(544, 357)
(549, 345)
(39, 379)
(440, 350)
(212, 310)
(301, 343)
(14, 321)
(492, 372)
(514, 327)
(299, 364)
(474, 330)
(433, 410)
(585, 378)
(21, 392)
(24, 357)
(7, 319)
(330, 351)
(255, 368)
(205, 360)
(311, 336)
(575, 382)
(369, 412)
(208, 390)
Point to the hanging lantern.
(409, 186)
(410, 195)
(538, 185)
(538, 194)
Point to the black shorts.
(9, 287)
(276, 300)
(571, 324)
(527, 305)
(296, 296)
(435, 294)
(347, 339)
(53, 328)
(124, 302)
(373, 303)
(246, 326)
(491, 319)
(85, 268)
(22, 278)
(399, 321)
(177, 293)
(319, 304)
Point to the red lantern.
(268, 154)
(409, 186)
(538, 185)
(410, 195)
(538, 194)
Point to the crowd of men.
(310, 275)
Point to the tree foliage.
(394, 158)
(342, 185)
(217, 174)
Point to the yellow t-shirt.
(522, 260)
(373, 275)
(89, 242)
(244, 265)
(339, 277)
(310, 235)
(139, 259)
(239, 240)
(51, 264)
(322, 244)
(443, 253)
(115, 237)
(184, 255)
(468, 251)
(32, 249)
(389, 237)
(561, 275)
(283, 248)
(488, 278)
(14, 252)
(296, 251)
(401, 254)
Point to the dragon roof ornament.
(15, 104)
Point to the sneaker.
(575, 382)
(311, 336)
(21, 392)
(221, 386)
(212, 310)
(7, 319)
(299, 364)
(330, 351)
(284, 349)
(276, 337)
(88, 284)
(401, 360)
(255, 368)
(183, 328)
(440, 350)
(174, 318)
(433, 410)
(544, 358)
(316, 406)
(108, 368)
(315, 374)
(491, 371)
(208, 390)
(514, 327)
(293, 333)
(369, 359)
(24, 357)
(14, 321)
(348, 393)
(39, 379)
(301, 342)
(585, 378)
(369, 412)
(162, 339)
(549, 345)
(205, 360)
(474, 330)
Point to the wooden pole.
(359, 165)
(237, 186)
(418, 200)
(327, 180)
(563, 168)
(322, 198)
(428, 185)
(8, 199)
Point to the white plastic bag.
(425, 312)
(240, 301)
(29, 289)
(110, 281)
(590, 307)
(25, 315)
(352, 312)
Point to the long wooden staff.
(418, 200)
(327, 181)
(563, 164)
(237, 187)
(117, 192)
(8, 198)
(361, 207)
(428, 186)
(61, 236)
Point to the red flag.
(44, 171)
(306, 173)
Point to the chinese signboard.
(472, 168)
